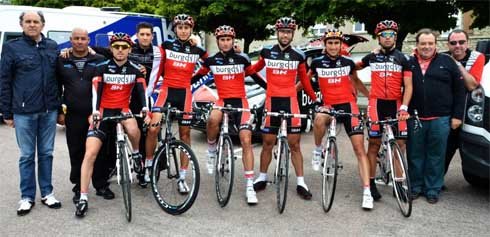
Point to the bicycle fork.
(122, 143)
(283, 132)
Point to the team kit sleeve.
(458, 91)
(203, 70)
(305, 81)
(249, 71)
(97, 85)
(477, 69)
(260, 64)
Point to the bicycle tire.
(401, 185)
(164, 183)
(382, 172)
(282, 175)
(125, 180)
(330, 172)
(224, 171)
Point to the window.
(59, 36)
(358, 28)
(11, 35)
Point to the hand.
(94, 118)
(317, 103)
(146, 115)
(65, 53)
(376, 50)
(61, 119)
(91, 51)
(9, 122)
(193, 40)
(143, 69)
(403, 115)
(237, 48)
(455, 123)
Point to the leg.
(372, 154)
(296, 156)
(152, 134)
(92, 147)
(212, 128)
(76, 136)
(268, 141)
(133, 132)
(26, 132)
(358, 147)
(247, 156)
(185, 136)
(45, 147)
(452, 145)
(416, 149)
(319, 127)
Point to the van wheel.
(476, 181)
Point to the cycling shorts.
(240, 120)
(105, 127)
(352, 125)
(271, 125)
(379, 109)
(180, 98)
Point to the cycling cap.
(224, 30)
(285, 23)
(183, 19)
(386, 25)
(120, 36)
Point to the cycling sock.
(136, 151)
(371, 182)
(249, 176)
(319, 148)
(367, 190)
(182, 174)
(262, 177)
(300, 180)
(212, 145)
(84, 196)
(148, 162)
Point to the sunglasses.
(386, 34)
(120, 46)
(460, 42)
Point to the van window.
(59, 36)
(11, 35)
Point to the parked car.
(475, 134)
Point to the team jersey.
(334, 78)
(113, 84)
(387, 73)
(180, 60)
(282, 69)
(473, 62)
(229, 72)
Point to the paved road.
(462, 210)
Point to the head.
(183, 25)
(121, 44)
(386, 32)
(225, 36)
(144, 33)
(285, 27)
(425, 41)
(32, 23)
(333, 42)
(457, 43)
(79, 40)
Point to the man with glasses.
(112, 88)
(283, 65)
(470, 64)
(391, 90)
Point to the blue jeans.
(426, 150)
(35, 131)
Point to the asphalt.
(461, 211)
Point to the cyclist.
(391, 90)
(283, 64)
(179, 57)
(229, 69)
(336, 76)
(112, 86)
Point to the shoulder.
(103, 63)
(243, 56)
(134, 65)
(299, 52)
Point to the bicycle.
(282, 154)
(124, 161)
(167, 161)
(330, 159)
(225, 162)
(393, 165)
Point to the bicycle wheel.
(165, 182)
(383, 172)
(401, 182)
(282, 174)
(224, 171)
(330, 171)
(125, 179)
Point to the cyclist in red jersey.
(336, 76)
(391, 91)
(283, 64)
(230, 69)
(180, 57)
(112, 87)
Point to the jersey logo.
(379, 67)
(182, 57)
(333, 72)
(281, 64)
(119, 79)
(226, 70)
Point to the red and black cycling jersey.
(180, 60)
(229, 72)
(387, 73)
(282, 68)
(113, 84)
(334, 78)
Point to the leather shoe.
(106, 193)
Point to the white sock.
(149, 163)
(84, 196)
(212, 146)
(250, 182)
(300, 180)
(262, 177)
(182, 174)
(319, 148)
(136, 151)
(367, 191)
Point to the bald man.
(75, 74)
(30, 101)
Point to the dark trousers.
(76, 135)
(452, 145)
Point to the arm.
(156, 71)
(141, 89)
(106, 52)
(257, 67)
(305, 81)
(97, 86)
(358, 84)
(458, 92)
(7, 73)
(200, 73)
(255, 76)
(61, 112)
(472, 77)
